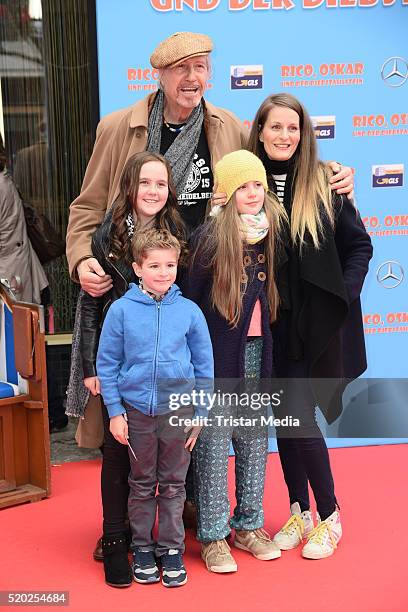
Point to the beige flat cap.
(180, 46)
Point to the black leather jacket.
(94, 309)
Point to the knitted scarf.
(254, 227)
(181, 153)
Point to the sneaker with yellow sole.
(217, 557)
(323, 540)
(295, 529)
(259, 543)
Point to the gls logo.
(246, 77)
(324, 126)
(394, 71)
(390, 274)
(388, 175)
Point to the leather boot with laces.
(258, 542)
(217, 557)
(295, 529)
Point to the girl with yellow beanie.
(231, 278)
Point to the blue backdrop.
(347, 60)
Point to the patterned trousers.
(210, 461)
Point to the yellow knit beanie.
(237, 168)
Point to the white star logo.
(394, 71)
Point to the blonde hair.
(153, 239)
(222, 248)
(312, 198)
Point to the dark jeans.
(304, 457)
(161, 465)
(114, 482)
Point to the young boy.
(154, 343)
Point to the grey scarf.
(181, 153)
(77, 393)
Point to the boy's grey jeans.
(162, 463)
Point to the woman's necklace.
(174, 129)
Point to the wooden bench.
(24, 431)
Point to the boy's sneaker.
(259, 543)
(173, 571)
(217, 557)
(144, 567)
(323, 540)
(295, 529)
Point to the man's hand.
(218, 199)
(192, 438)
(93, 278)
(119, 428)
(92, 383)
(342, 180)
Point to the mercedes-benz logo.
(394, 71)
(390, 274)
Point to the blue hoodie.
(149, 350)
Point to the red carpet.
(48, 546)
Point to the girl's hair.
(222, 247)
(168, 218)
(312, 197)
(3, 156)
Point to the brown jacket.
(119, 136)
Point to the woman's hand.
(92, 383)
(119, 428)
(93, 278)
(192, 438)
(342, 180)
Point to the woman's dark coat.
(330, 320)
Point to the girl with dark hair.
(147, 199)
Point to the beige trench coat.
(119, 136)
(17, 256)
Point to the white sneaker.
(323, 540)
(297, 527)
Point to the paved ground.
(64, 448)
